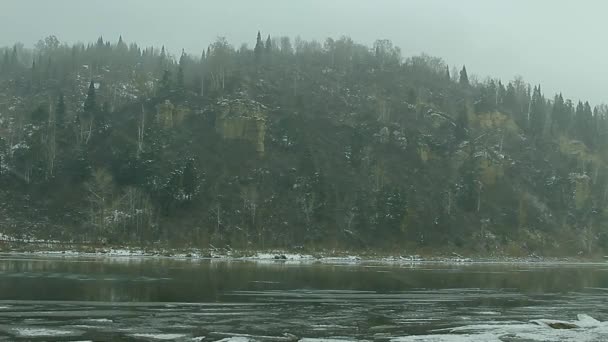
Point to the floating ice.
(160, 337)
(43, 332)
(584, 329)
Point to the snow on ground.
(280, 256)
(4, 237)
(588, 330)
(55, 248)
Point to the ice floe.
(159, 336)
(43, 332)
(583, 329)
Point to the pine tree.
(447, 73)
(121, 46)
(268, 46)
(537, 113)
(259, 47)
(587, 126)
(578, 115)
(90, 104)
(180, 71)
(163, 57)
(464, 77)
(559, 115)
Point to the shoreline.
(324, 257)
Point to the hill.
(296, 145)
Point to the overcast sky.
(559, 44)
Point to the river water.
(153, 299)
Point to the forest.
(293, 144)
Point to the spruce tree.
(259, 47)
(559, 115)
(180, 71)
(464, 77)
(90, 104)
(537, 113)
(268, 46)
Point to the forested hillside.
(294, 144)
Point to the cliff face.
(242, 118)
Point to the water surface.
(151, 299)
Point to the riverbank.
(58, 250)
(13, 245)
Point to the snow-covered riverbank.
(276, 256)
(32, 246)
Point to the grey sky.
(556, 43)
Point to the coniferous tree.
(587, 125)
(464, 77)
(510, 100)
(559, 115)
(268, 46)
(537, 113)
(579, 121)
(90, 104)
(180, 71)
(259, 47)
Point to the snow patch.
(280, 256)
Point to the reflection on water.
(152, 299)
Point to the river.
(153, 299)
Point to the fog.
(557, 44)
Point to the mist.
(556, 45)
